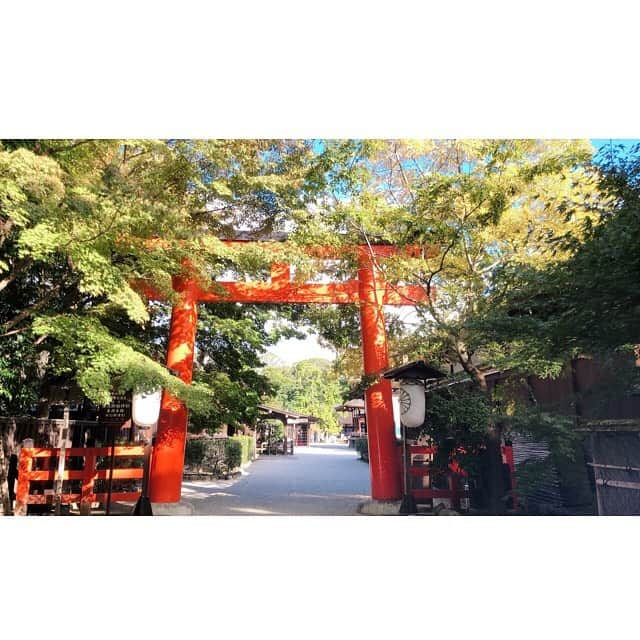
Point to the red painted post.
(168, 455)
(383, 459)
(88, 480)
(25, 465)
(509, 460)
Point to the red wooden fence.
(27, 474)
(454, 476)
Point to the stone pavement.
(323, 479)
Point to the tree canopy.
(589, 301)
(311, 387)
(480, 209)
(81, 221)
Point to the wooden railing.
(272, 448)
(87, 475)
(454, 476)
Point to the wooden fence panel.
(88, 476)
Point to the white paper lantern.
(412, 405)
(145, 408)
(395, 403)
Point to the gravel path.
(323, 479)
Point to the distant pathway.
(323, 479)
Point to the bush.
(194, 452)
(362, 447)
(217, 455)
(247, 444)
(205, 455)
(232, 453)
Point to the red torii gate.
(369, 290)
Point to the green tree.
(589, 302)
(478, 207)
(585, 305)
(311, 387)
(81, 221)
(229, 344)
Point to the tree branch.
(69, 147)
(404, 177)
(17, 269)
(14, 332)
(25, 313)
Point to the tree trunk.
(495, 480)
(493, 439)
(5, 504)
(44, 401)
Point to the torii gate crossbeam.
(370, 291)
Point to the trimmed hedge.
(217, 455)
(247, 445)
(194, 452)
(205, 455)
(232, 453)
(362, 447)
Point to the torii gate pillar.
(384, 463)
(168, 453)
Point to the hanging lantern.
(145, 408)
(412, 405)
(395, 403)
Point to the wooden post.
(168, 455)
(111, 463)
(5, 506)
(88, 480)
(455, 494)
(61, 458)
(143, 506)
(24, 480)
(386, 475)
(510, 461)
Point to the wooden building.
(303, 429)
(602, 476)
(352, 419)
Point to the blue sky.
(627, 143)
